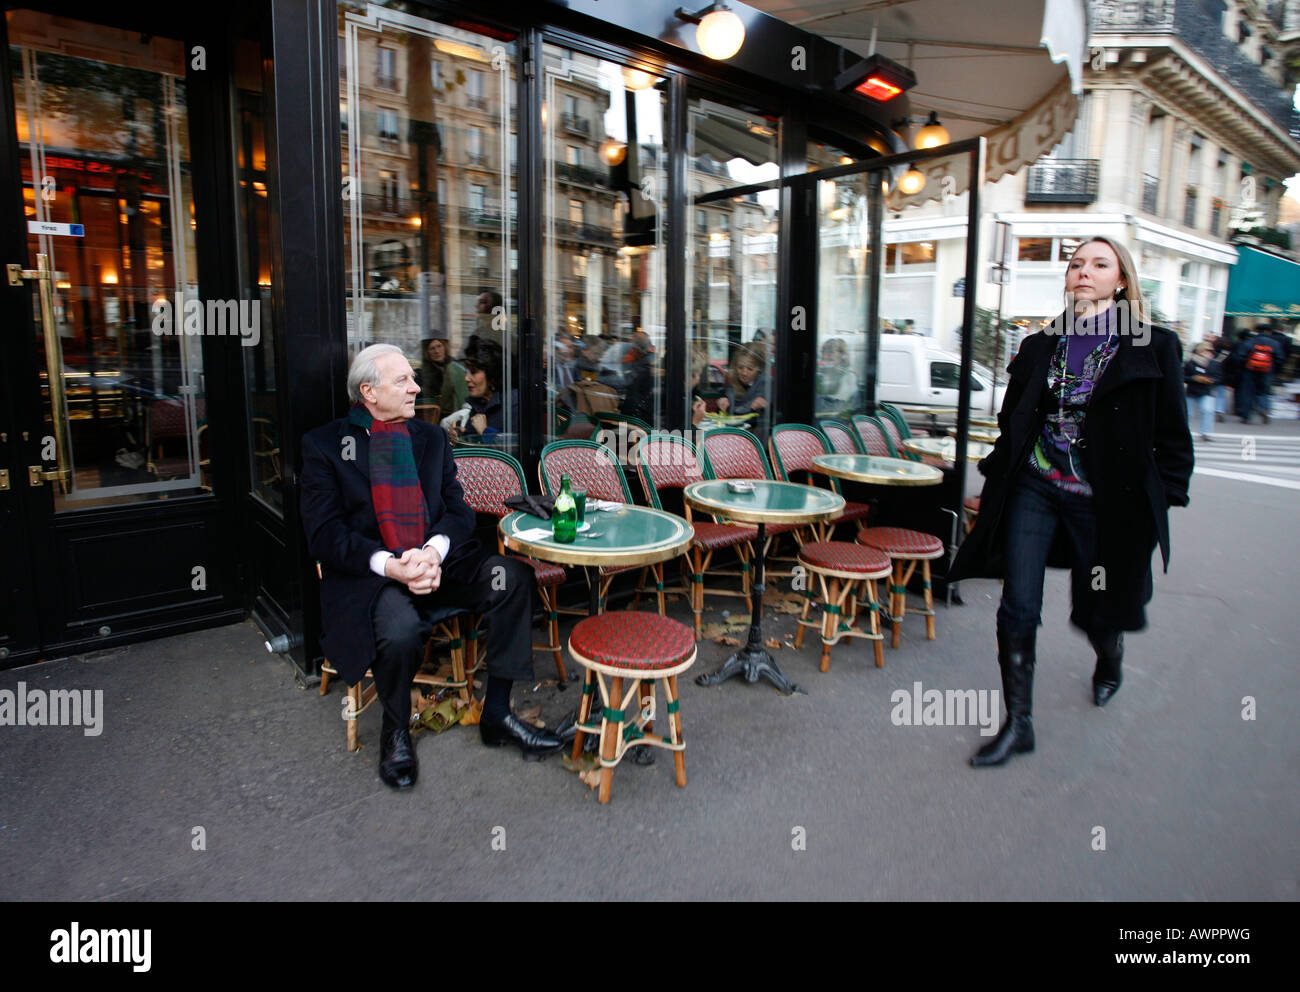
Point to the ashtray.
(740, 486)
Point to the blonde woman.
(1094, 449)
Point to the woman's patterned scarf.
(1052, 454)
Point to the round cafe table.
(946, 448)
(878, 471)
(769, 503)
(984, 436)
(632, 535)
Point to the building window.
(387, 124)
(1034, 250)
(477, 198)
(474, 146)
(388, 191)
(1155, 144)
(386, 69)
(575, 212)
(474, 94)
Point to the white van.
(913, 371)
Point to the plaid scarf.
(394, 482)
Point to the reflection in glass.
(731, 264)
(104, 144)
(430, 205)
(604, 277)
(260, 379)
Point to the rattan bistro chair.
(595, 468)
(794, 446)
(843, 438)
(490, 477)
(446, 623)
(667, 461)
(731, 453)
(873, 437)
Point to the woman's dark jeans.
(1035, 508)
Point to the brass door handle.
(45, 277)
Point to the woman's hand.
(478, 422)
(758, 404)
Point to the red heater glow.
(878, 89)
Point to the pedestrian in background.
(1093, 450)
(1259, 354)
(1202, 374)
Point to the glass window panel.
(432, 256)
(731, 265)
(603, 266)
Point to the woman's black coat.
(1137, 457)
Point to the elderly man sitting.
(388, 521)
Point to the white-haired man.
(388, 521)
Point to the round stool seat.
(899, 542)
(638, 642)
(844, 556)
(972, 503)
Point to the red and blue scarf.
(394, 482)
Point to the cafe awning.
(1263, 285)
(1009, 70)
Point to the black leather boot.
(1016, 659)
(1106, 677)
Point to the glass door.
(108, 204)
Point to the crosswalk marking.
(1228, 456)
(1264, 480)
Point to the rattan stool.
(843, 565)
(907, 548)
(644, 648)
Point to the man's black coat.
(1137, 458)
(343, 531)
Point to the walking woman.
(1094, 449)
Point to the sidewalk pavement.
(207, 736)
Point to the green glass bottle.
(564, 518)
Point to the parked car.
(913, 371)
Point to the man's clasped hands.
(419, 569)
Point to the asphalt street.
(1183, 788)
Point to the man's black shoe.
(398, 767)
(511, 730)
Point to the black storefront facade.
(230, 202)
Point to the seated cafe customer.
(387, 520)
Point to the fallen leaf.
(473, 713)
(773, 643)
(591, 778)
(731, 642)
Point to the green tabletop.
(946, 448)
(634, 535)
(880, 471)
(769, 503)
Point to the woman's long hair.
(747, 354)
(1132, 291)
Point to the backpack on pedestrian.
(1260, 357)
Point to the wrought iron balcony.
(1200, 29)
(1063, 180)
(575, 124)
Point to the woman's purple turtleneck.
(1088, 332)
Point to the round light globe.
(720, 34)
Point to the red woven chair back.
(666, 462)
(873, 437)
(841, 438)
(895, 437)
(589, 466)
(795, 447)
(488, 480)
(735, 454)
